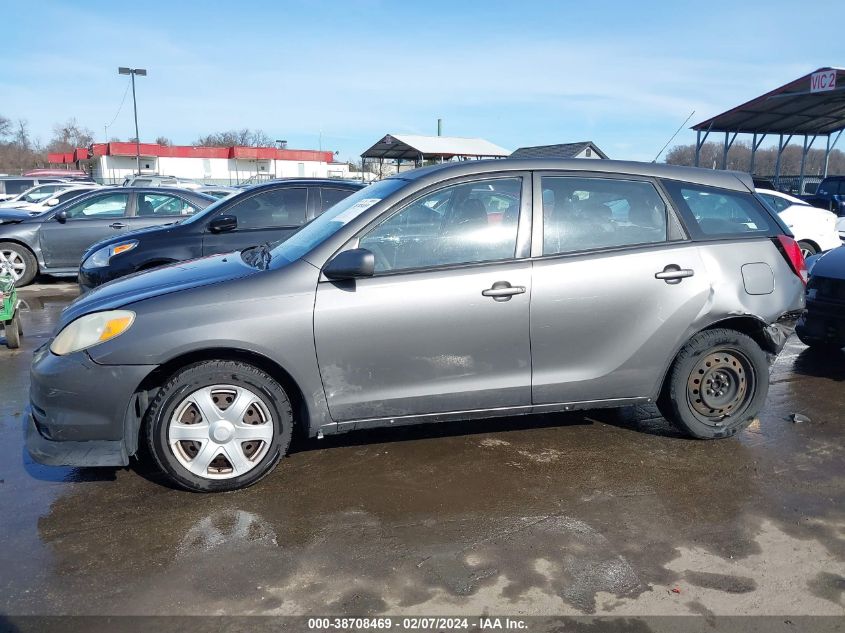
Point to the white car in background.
(44, 203)
(814, 229)
(34, 194)
(160, 181)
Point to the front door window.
(461, 224)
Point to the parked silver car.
(457, 291)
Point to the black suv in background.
(269, 212)
(830, 195)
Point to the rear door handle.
(673, 274)
(503, 291)
(117, 225)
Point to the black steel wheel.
(720, 383)
(717, 384)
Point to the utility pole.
(123, 70)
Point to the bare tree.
(17, 149)
(5, 127)
(739, 158)
(163, 140)
(68, 136)
(21, 135)
(244, 137)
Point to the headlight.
(90, 330)
(101, 257)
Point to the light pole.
(123, 70)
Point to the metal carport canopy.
(412, 147)
(795, 108)
(810, 106)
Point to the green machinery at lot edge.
(9, 316)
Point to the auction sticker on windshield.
(352, 212)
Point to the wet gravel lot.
(602, 512)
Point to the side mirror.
(358, 262)
(52, 202)
(61, 216)
(223, 224)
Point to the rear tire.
(19, 261)
(717, 384)
(807, 249)
(13, 332)
(194, 442)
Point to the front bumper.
(83, 405)
(90, 453)
(90, 278)
(824, 320)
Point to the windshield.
(331, 221)
(36, 194)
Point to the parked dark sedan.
(53, 242)
(268, 212)
(823, 323)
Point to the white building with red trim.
(110, 163)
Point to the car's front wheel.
(218, 426)
(717, 384)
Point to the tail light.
(792, 253)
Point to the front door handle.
(673, 274)
(503, 291)
(117, 225)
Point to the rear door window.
(721, 212)
(161, 205)
(271, 209)
(581, 214)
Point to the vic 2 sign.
(822, 81)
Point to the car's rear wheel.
(808, 249)
(717, 384)
(219, 425)
(19, 262)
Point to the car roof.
(735, 180)
(319, 182)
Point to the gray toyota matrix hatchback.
(457, 291)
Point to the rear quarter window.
(714, 212)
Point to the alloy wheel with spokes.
(12, 263)
(19, 262)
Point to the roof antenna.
(673, 136)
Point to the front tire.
(218, 425)
(19, 262)
(717, 384)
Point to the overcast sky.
(623, 74)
